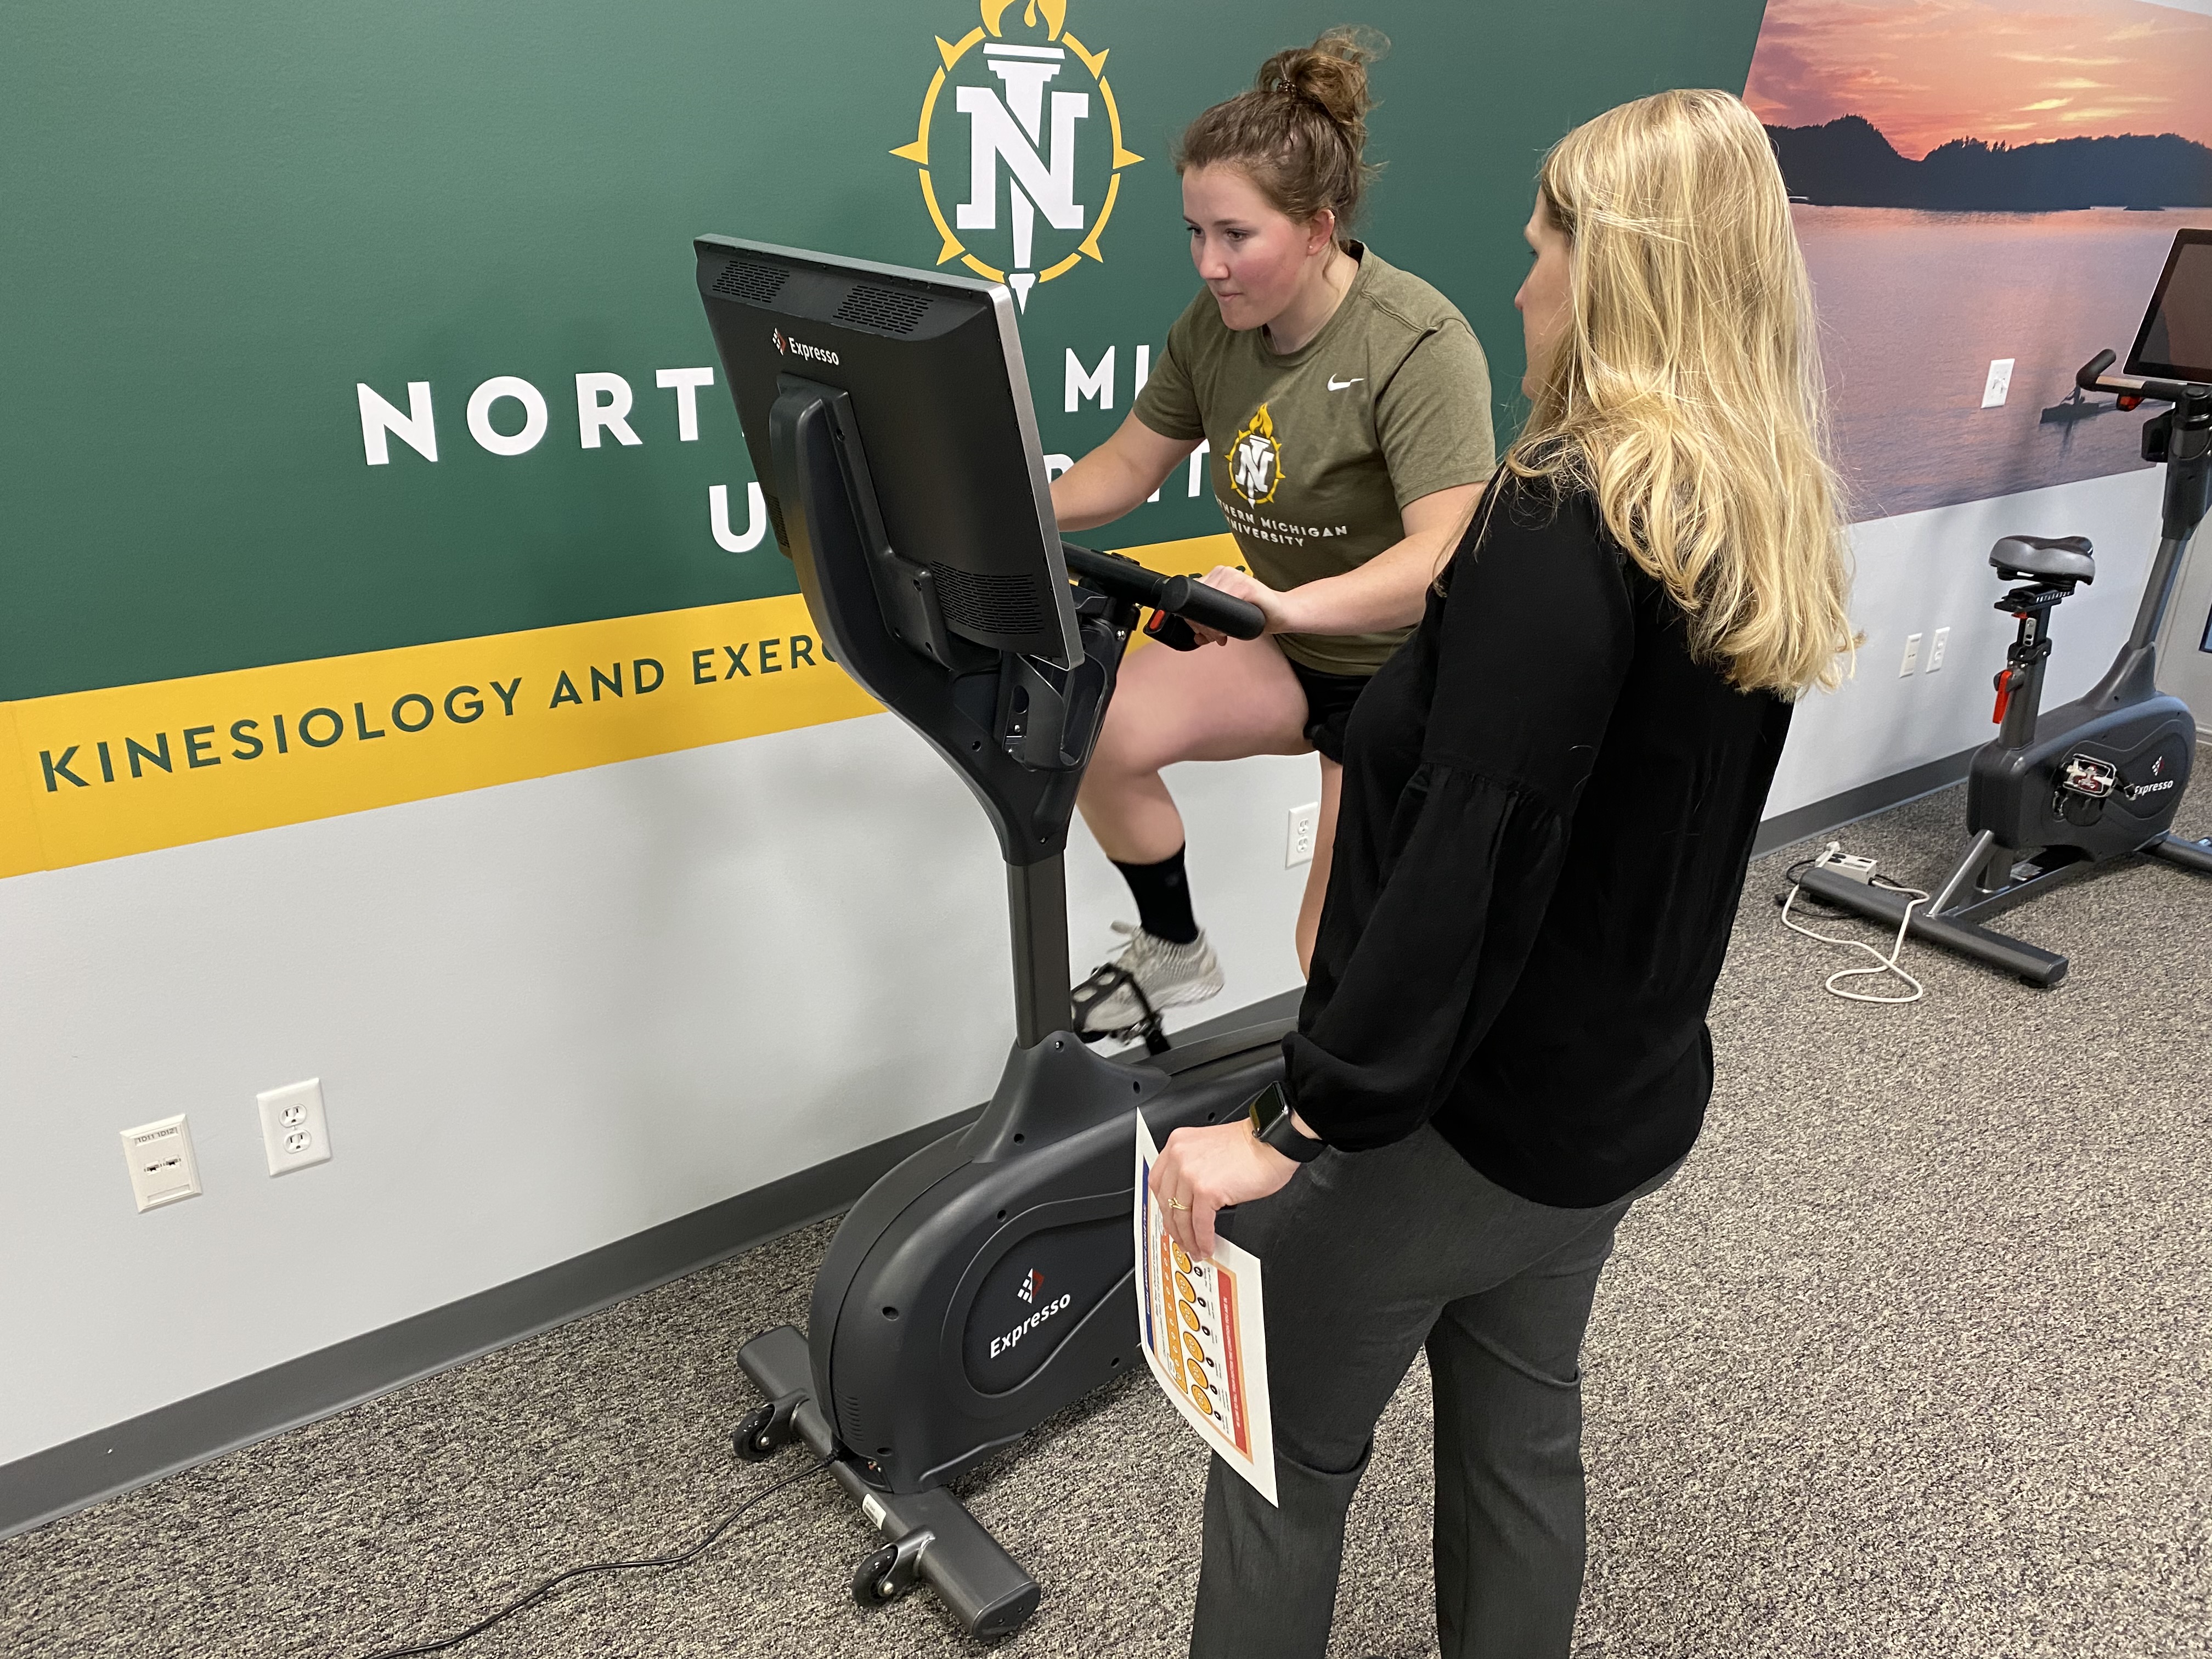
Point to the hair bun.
(1332, 73)
(1299, 131)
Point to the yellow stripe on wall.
(101, 775)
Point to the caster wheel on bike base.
(875, 1582)
(756, 1440)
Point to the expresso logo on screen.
(1021, 135)
(791, 346)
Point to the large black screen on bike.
(2175, 341)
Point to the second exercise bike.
(2095, 783)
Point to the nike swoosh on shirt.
(1335, 385)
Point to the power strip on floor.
(1852, 867)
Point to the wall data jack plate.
(163, 1168)
(1304, 829)
(294, 1132)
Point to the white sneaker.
(1146, 978)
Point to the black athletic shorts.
(1329, 698)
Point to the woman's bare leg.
(1332, 791)
(1217, 702)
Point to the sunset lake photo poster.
(1977, 180)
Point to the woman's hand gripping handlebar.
(1180, 604)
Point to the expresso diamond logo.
(1020, 130)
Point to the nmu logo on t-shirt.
(1255, 458)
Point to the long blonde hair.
(1687, 396)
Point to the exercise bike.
(987, 1281)
(2064, 792)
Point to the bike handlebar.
(2091, 377)
(1179, 596)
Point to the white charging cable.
(1882, 965)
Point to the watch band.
(1272, 1122)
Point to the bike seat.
(2063, 559)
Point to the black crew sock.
(1162, 895)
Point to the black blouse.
(1547, 813)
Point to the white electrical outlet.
(1305, 827)
(1935, 648)
(293, 1130)
(1999, 385)
(162, 1167)
(1912, 655)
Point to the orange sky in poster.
(2020, 71)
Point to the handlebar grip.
(1109, 573)
(2090, 373)
(1194, 601)
(1178, 596)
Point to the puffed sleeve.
(1536, 639)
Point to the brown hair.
(1298, 132)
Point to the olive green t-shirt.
(1314, 451)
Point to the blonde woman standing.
(1549, 798)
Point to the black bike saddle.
(2063, 559)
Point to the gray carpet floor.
(1914, 1358)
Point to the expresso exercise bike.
(987, 1281)
(2093, 784)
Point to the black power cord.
(559, 1578)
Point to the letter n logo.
(1042, 168)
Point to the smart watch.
(1272, 1122)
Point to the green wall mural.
(222, 224)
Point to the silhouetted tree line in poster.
(1849, 163)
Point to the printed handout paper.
(1204, 1335)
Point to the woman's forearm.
(1390, 590)
(1116, 477)
(1387, 592)
(1097, 489)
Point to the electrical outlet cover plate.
(1935, 648)
(294, 1132)
(1304, 829)
(162, 1166)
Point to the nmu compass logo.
(1033, 117)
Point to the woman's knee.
(1130, 746)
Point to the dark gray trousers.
(1365, 1259)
